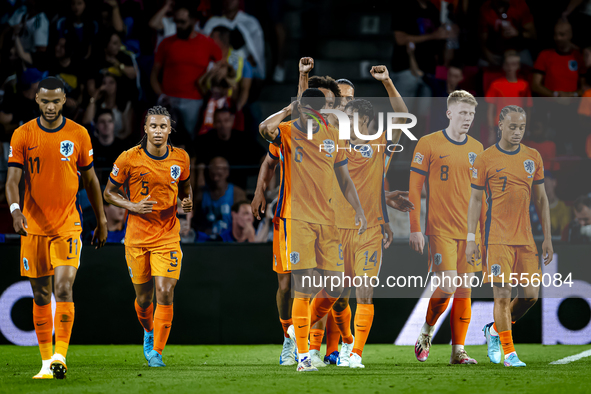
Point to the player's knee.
(144, 300)
(63, 291)
(165, 294)
(341, 304)
(42, 296)
(284, 287)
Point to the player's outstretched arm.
(112, 196)
(306, 65)
(474, 210)
(266, 173)
(19, 221)
(350, 192)
(93, 190)
(380, 73)
(269, 128)
(543, 209)
(186, 196)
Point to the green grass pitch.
(255, 369)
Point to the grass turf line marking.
(570, 359)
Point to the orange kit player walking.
(508, 171)
(444, 159)
(309, 238)
(155, 175)
(51, 150)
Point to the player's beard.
(59, 113)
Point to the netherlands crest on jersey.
(66, 148)
(495, 269)
(294, 257)
(529, 166)
(366, 151)
(328, 146)
(175, 172)
(471, 158)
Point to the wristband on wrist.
(14, 207)
(471, 237)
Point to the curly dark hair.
(157, 110)
(325, 83)
(362, 107)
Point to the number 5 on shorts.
(174, 258)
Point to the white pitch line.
(570, 359)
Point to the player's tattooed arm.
(112, 196)
(474, 210)
(269, 128)
(350, 192)
(306, 65)
(543, 210)
(19, 221)
(266, 173)
(93, 190)
(381, 74)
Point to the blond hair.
(461, 96)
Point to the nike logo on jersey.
(33, 147)
(70, 258)
(501, 169)
(338, 265)
(302, 326)
(40, 324)
(145, 173)
(169, 270)
(441, 157)
(367, 269)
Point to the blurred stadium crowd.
(218, 65)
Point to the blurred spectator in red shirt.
(183, 59)
(508, 90)
(558, 71)
(505, 25)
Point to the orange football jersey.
(507, 179)
(367, 166)
(447, 166)
(51, 160)
(158, 177)
(308, 167)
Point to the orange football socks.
(343, 320)
(363, 321)
(300, 315)
(43, 320)
(316, 336)
(321, 305)
(507, 342)
(162, 324)
(332, 335)
(437, 305)
(461, 312)
(285, 324)
(64, 320)
(145, 316)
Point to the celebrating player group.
(330, 220)
(347, 177)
